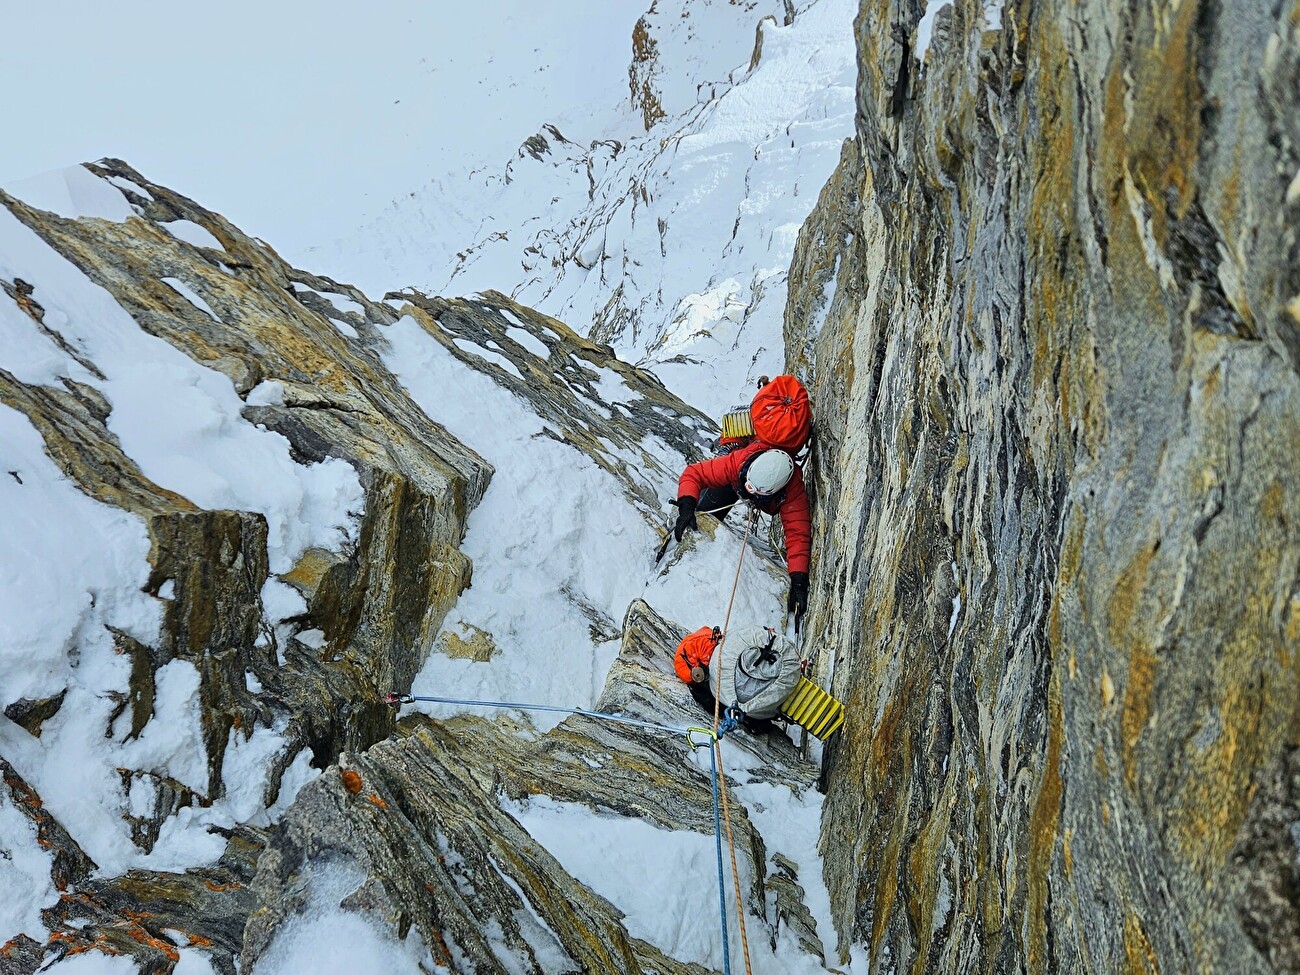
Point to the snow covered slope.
(171, 525)
(76, 580)
(673, 245)
(135, 664)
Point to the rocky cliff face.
(331, 398)
(1058, 488)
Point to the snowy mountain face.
(662, 224)
(1044, 300)
(171, 717)
(246, 501)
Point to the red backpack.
(781, 414)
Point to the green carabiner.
(704, 731)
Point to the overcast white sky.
(297, 119)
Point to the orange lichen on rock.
(102, 946)
(72, 944)
(1044, 821)
(378, 802)
(138, 934)
(1138, 952)
(444, 953)
(351, 781)
(1128, 629)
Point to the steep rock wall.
(1057, 488)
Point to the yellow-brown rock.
(1057, 488)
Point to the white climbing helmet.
(769, 472)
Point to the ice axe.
(667, 538)
(798, 619)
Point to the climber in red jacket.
(771, 481)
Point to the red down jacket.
(791, 504)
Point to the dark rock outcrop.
(70, 864)
(338, 401)
(419, 815)
(149, 915)
(596, 403)
(31, 714)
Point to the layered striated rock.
(619, 416)
(416, 836)
(410, 826)
(420, 820)
(332, 398)
(702, 29)
(1057, 485)
(230, 303)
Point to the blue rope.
(407, 699)
(722, 883)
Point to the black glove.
(686, 518)
(797, 601)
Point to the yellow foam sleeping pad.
(737, 425)
(812, 708)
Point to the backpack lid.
(782, 414)
(756, 673)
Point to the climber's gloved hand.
(685, 517)
(698, 675)
(797, 601)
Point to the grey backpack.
(755, 670)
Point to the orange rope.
(744, 544)
(717, 746)
(735, 872)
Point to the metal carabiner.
(690, 739)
